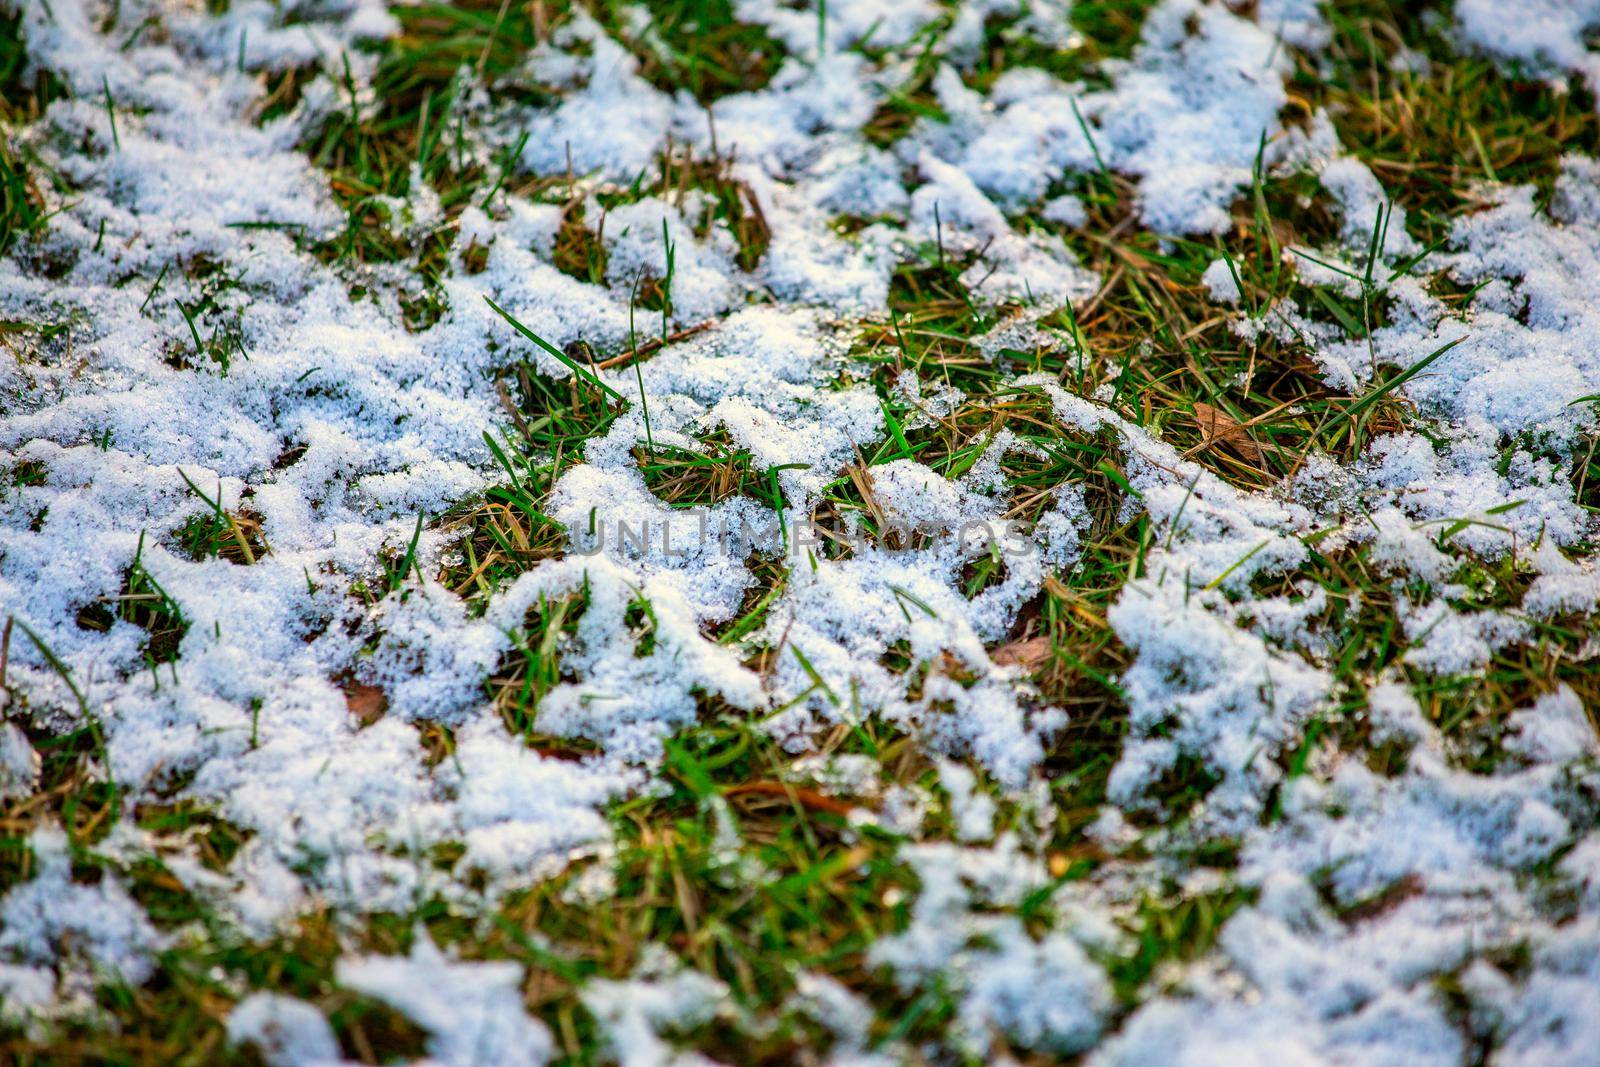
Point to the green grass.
(704, 189)
(1434, 136)
(826, 893)
(1174, 929)
(695, 479)
(233, 536)
(696, 46)
(143, 602)
(21, 211)
(213, 333)
(22, 99)
(23, 96)
(370, 155)
(533, 667)
(1102, 30)
(1365, 642)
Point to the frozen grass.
(748, 861)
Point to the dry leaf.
(1030, 654)
(953, 669)
(1218, 427)
(811, 798)
(366, 702)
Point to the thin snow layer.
(333, 425)
(285, 1032)
(1547, 37)
(1042, 993)
(59, 939)
(1361, 914)
(1186, 115)
(1373, 890)
(472, 1011)
(345, 433)
(341, 431)
(662, 996)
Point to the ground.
(855, 533)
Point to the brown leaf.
(953, 669)
(1386, 901)
(798, 794)
(1218, 427)
(366, 702)
(1030, 654)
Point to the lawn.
(855, 533)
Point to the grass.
(1249, 408)
(687, 478)
(1100, 30)
(704, 190)
(233, 536)
(23, 95)
(143, 602)
(1175, 929)
(1435, 136)
(23, 98)
(1362, 640)
(533, 667)
(69, 795)
(212, 331)
(826, 894)
(807, 889)
(22, 211)
(416, 133)
(724, 200)
(696, 46)
(374, 156)
(507, 532)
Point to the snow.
(19, 763)
(340, 429)
(972, 810)
(472, 1011)
(1546, 37)
(1221, 282)
(59, 938)
(634, 1013)
(1044, 994)
(287, 1032)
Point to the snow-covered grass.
(857, 533)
